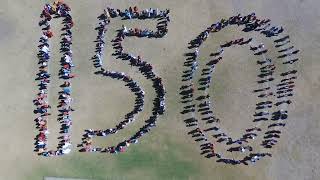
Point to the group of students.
(284, 89)
(145, 68)
(57, 10)
(133, 13)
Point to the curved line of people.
(57, 10)
(205, 105)
(145, 68)
(284, 90)
(251, 24)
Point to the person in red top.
(42, 136)
(66, 66)
(48, 33)
(45, 13)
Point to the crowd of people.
(57, 10)
(265, 91)
(145, 68)
(203, 106)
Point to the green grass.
(139, 162)
(165, 165)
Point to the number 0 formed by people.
(62, 10)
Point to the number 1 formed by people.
(57, 10)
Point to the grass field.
(167, 152)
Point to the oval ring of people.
(272, 94)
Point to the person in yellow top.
(56, 4)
